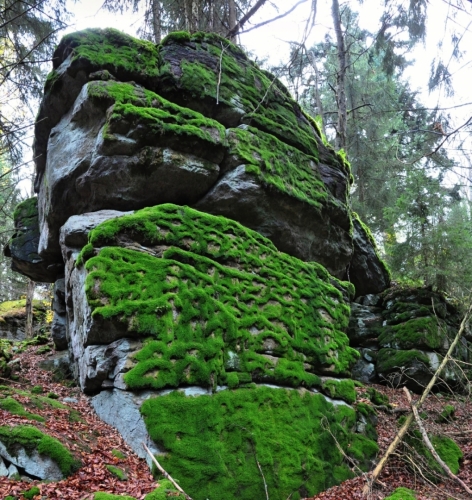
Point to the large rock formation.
(219, 326)
(229, 139)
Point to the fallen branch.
(401, 433)
(164, 473)
(430, 447)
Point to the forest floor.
(94, 443)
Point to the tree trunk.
(232, 18)
(29, 309)
(341, 129)
(195, 15)
(156, 20)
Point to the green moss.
(11, 405)
(109, 496)
(26, 209)
(339, 389)
(37, 389)
(377, 398)
(402, 494)
(117, 472)
(30, 438)
(165, 491)
(217, 305)
(163, 121)
(118, 454)
(176, 36)
(389, 360)
(422, 333)
(111, 50)
(215, 444)
(52, 395)
(445, 447)
(279, 165)
(10, 497)
(31, 493)
(447, 414)
(265, 101)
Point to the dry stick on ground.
(166, 474)
(430, 447)
(401, 433)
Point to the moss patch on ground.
(402, 494)
(215, 445)
(220, 306)
(30, 438)
(445, 447)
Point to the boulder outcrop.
(197, 226)
(403, 335)
(125, 124)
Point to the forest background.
(387, 81)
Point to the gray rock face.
(59, 322)
(3, 469)
(121, 410)
(86, 171)
(34, 464)
(366, 270)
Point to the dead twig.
(219, 74)
(164, 473)
(263, 478)
(429, 445)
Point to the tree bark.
(341, 128)
(195, 16)
(29, 309)
(232, 19)
(156, 20)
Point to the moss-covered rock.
(17, 443)
(13, 319)
(445, 447)
(220, 443)
(215, 299)
(23, 246)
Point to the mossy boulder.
(23, 246)
(13, 318)
(214, 298)
(125, 124)
(219, 311)
(39, 454)
(221, 445)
